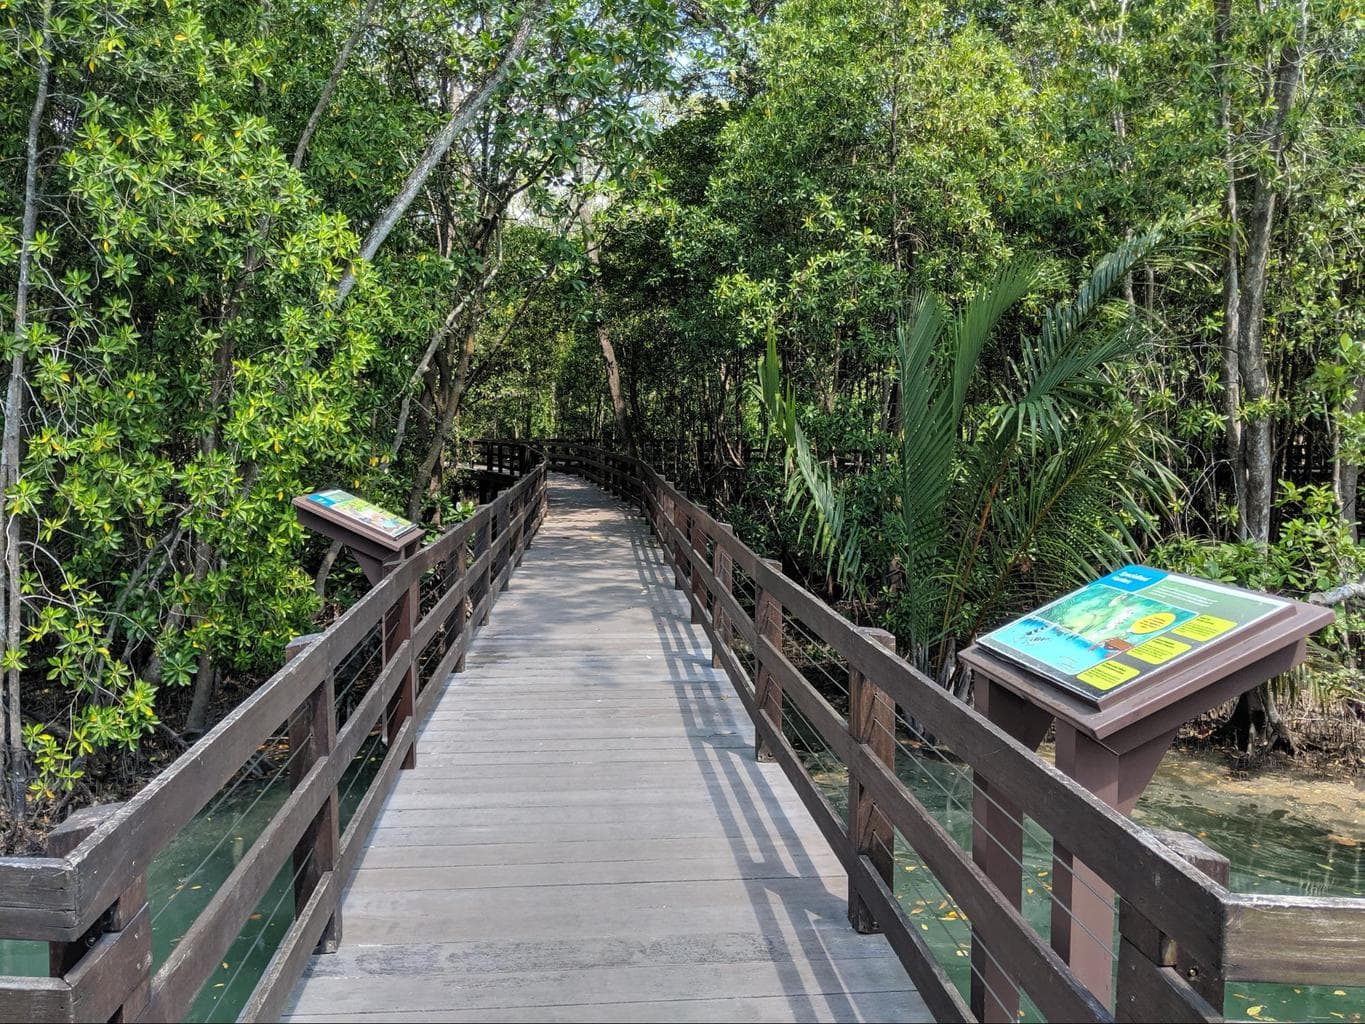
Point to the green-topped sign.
(1127, 627)
(362, 512)
(368, 530)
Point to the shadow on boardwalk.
(587, 835)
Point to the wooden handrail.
(1267, 938)
(90, 903)
(1183, 933)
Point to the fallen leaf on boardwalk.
(950, 916)
(1254, 1011)
(1339, 992)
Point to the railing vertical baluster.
(871, 721)
(768, 691)
(998, 846)
(312, 736)
(723, 567)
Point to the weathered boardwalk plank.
(587, 835)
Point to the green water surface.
(1276, 841)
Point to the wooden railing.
(1183, 934)
(367, 682)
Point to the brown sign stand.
(379, 550)
(1113, 750)
(374, 548)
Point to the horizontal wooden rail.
(89, 900)
(1175, 916)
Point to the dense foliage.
(250, 248)
(878, 162)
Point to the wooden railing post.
(461, 559)
(768, 691)
(871, 721)
(1156, 979)
(312, 736)
(542, 497)
(519, 539)
(723, 567)
(119, 995)
(698, 539)
(675, 545)
(398, 626)
(504, 559)
(483, 540)
(663, 513)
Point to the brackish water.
(1282, 834)
(186, 875)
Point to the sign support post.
(1118, 666)
(380, 541)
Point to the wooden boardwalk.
(587, 835)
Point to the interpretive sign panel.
(1128, 627)
(357, 514)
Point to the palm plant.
(991, 503)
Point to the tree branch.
(470, 107)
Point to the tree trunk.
(1257, 437)
(444, 420)
(1252, 451)
(1232, 376)
(15, 761)
(613, 366)
(333, 80)
(196, 722)
(1348, 471)
(325, 569)
(618, 401)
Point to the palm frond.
(938, 357)
(1054, 370)
(1062, 516)
(811, 490)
